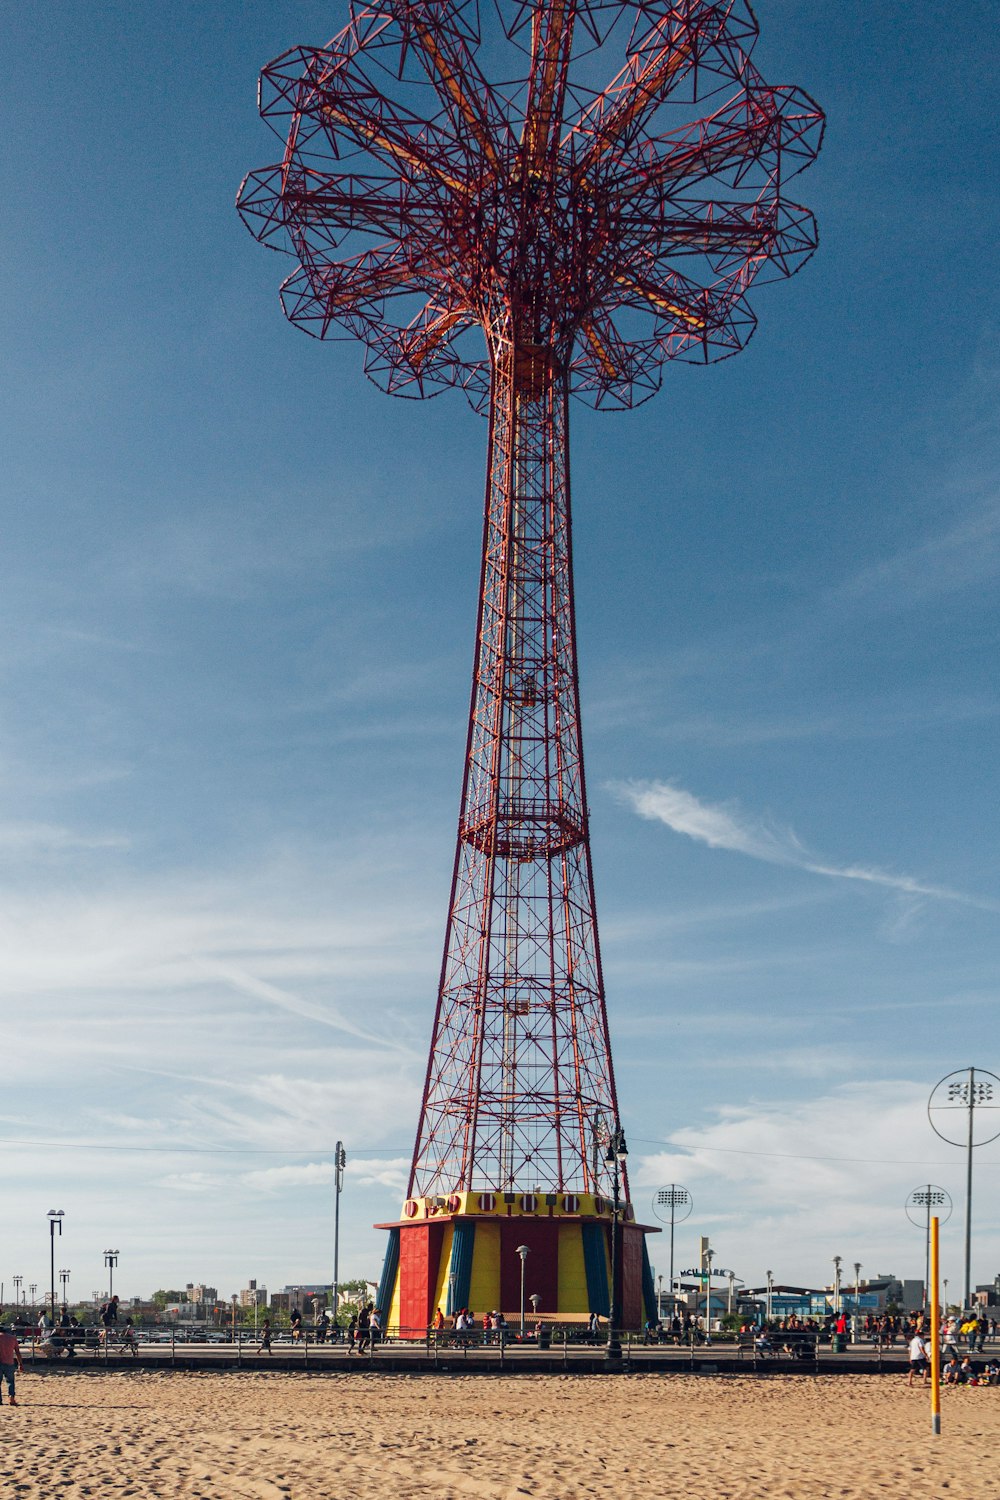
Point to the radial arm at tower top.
(614, 227)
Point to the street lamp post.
(111, 1260)
(339, 1163)
(770, 1289)
(709, 1257)
(55, 1216)
(857, 1302)
(837, 1262)
(615, 1155)
(523, 1252)
(64, 1280)
(659, 1299)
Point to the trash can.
(838, 1343)
(545, 1336)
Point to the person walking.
(10, 1359)
(109, 1318)
(918, 1359)
(265, 1338)
(364, 1322)
(295, 1318)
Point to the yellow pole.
(935, 1334)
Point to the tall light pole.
(857, 1302)
(17, 1280)
(56, 1216)
(659, 1299)
(33, 1288)
(922, 1203)
(837, 1262)
(64, 1280)
(975, 1091)
(523, 1252)
(770, 1289)
(339, 1163)
(111, 1260)
(674, 1197)
(615, 1154)
(709, 1257)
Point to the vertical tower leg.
(519, 1097)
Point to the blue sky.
(236, 613)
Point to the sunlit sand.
(302, 1437)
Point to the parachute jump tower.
(547, 235)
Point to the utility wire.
(872, 1161)
(687, 1146)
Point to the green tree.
(162, 1298)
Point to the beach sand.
(254, 1436)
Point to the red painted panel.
(541, 1272)
(633, 1313)
(419, 1253)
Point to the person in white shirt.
(918, 1359)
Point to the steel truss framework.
(544, 236)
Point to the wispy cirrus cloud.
(725, 826)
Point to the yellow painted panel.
(484, 1286)
(444, 1267)
(572, 1271)
(393, 1320)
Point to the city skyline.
(238, 591)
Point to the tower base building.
(462, 1251)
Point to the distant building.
(312, 1295)
(202, 1293)
(253, 1296)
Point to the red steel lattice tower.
(546, 236)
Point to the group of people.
(956, 1368)
(492, 1326)
(363, 1331)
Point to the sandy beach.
(270, 1437)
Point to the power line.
(204, 1150)
(873, 1161)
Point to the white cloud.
(363, 1172)
(28, 839)
(788, 1186)
(725, 827)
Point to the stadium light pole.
(111, 1260)
(968, 1089)
(673, 1197)
(932, 1200)
(55, 1216)
(64, 1280)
